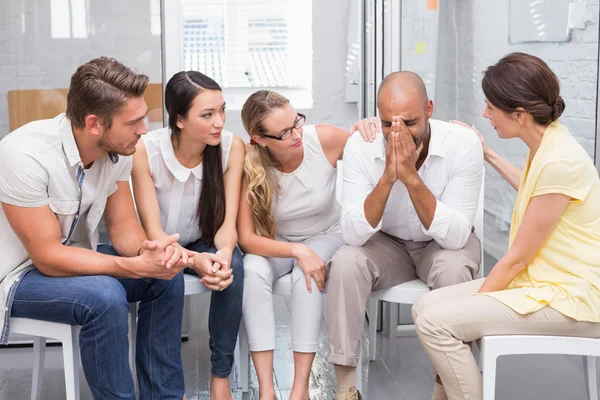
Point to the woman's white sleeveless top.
(178, 188)
(306, 205)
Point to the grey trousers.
(382, 262)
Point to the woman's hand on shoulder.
(484, 145)
(367, 127)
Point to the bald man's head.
(403, 94)
(404, 83)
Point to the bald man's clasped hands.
(401, 153)
(401, 148)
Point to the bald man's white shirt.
(452, 171)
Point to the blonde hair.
(258, 164)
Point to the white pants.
(307, 308)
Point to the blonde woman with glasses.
(288, 221)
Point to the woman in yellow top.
(548, 283)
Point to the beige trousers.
(382, 262)
(449, 318)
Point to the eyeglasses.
(300, 119)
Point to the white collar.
(180, 172)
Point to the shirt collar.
(377, 148)
(437, 142)
(70, 146)
(180, 172)
(68, 141)
(302, 174)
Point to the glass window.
(243, 46)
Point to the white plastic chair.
(493, 347)
(68, 335)
(409, 292)
(281, 287)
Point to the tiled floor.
(401, 371)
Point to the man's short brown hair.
(101, 87)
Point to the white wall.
(483, 40)
(34, 60)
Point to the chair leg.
(589, 369)
(244, 357)
(236, 361)
(488, 365)
(39, 354)
(187, 317)
(359, 371)
(133, 308)
(71, 363)
(480, 358)
(373, 306)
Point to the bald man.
(409, 199)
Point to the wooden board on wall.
(30, 105)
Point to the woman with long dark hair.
(186, 180)
(548, 282)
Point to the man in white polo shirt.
(409, 199)
(58, 177)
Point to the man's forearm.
(375, 202)
(61, 260)
(127, 238)
(423, 200)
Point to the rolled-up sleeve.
(356, 188)
(122, 173)
(124, 168)
(455, 210)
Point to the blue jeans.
(225, 313)
(100, 305)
